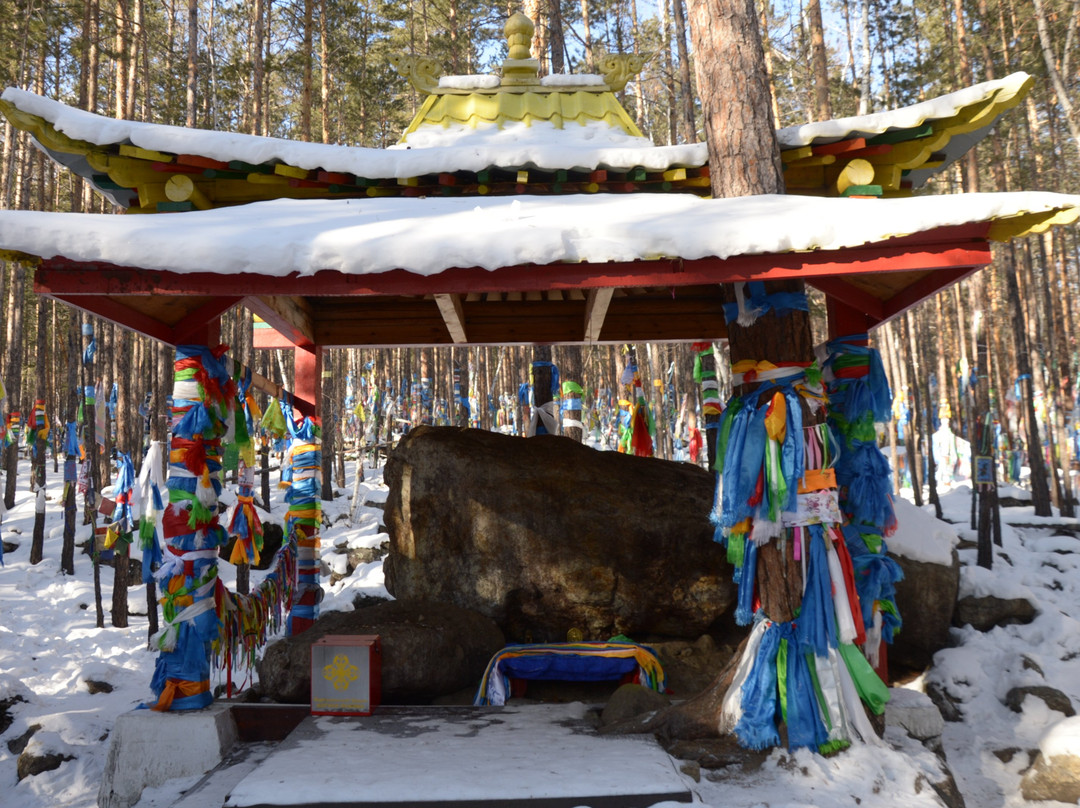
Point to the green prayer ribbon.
(781, 676)
(868, 684)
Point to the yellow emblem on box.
(340, 673)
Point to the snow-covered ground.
(49, 647)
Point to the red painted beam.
(851, 296)
(108, 309)
(927, 286)
(59, 276)
(845, 320)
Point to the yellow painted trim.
(812, 160)
(126, 171)
(266, 179)
(21, 257)
(44, 132)
(1025, 224)
(145, 154)
(283, 170)
(800, 153)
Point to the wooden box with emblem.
(346, 674)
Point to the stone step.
(543, 756)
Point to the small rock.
(95, 686)
(946, 704)
(1030, 664)
(691, 768)
(30, 764)
(915, 713)
(10, 547)
(1007, 755)
(17, 745)
(985, 613)
(5, 711)
(364, 555)
(946, 789)
(718, 753)
(630, 701)
(1054, 699)
(1055, 779)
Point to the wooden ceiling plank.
(596, 306)
(453, 315)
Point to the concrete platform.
(544, 756)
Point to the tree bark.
(819, 62)
(192, 61)
(744, 157)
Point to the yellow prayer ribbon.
(776, 418)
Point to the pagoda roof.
(419, 245)
(567, 136)
(636, 267)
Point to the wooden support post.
(307, 396)
(844, 319)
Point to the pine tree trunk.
(37, 544)
(14, 370)
(744, 157)
(71, 408)
(686, 94)
(192, 61)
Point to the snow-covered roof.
(427, 236)
(553, 143)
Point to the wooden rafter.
(453, 315)
(596, 306)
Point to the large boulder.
(926, 598)
(925, 548)
(544, 535)
(428, 650)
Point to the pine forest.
(993, 358)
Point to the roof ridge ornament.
(519, 68)
(420, 71)
(618, 68)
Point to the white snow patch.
(921, 537)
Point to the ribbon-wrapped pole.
(203, 402)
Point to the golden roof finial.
(519, 68)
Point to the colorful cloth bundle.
(203, 403)
(38, 426)
(642, 427)
(706, 377)
(302, 475)
(776, 482)
(573, 662)
(859, 396)
(151, 485)
(247, 621)
(14, 426)
(751, 301)
(123, 515)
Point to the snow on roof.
(572, 147)
(939, 108)
(429, 235)
(577, 147)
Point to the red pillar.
(845, 320)
(307, 362)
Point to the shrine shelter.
(516, 209)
